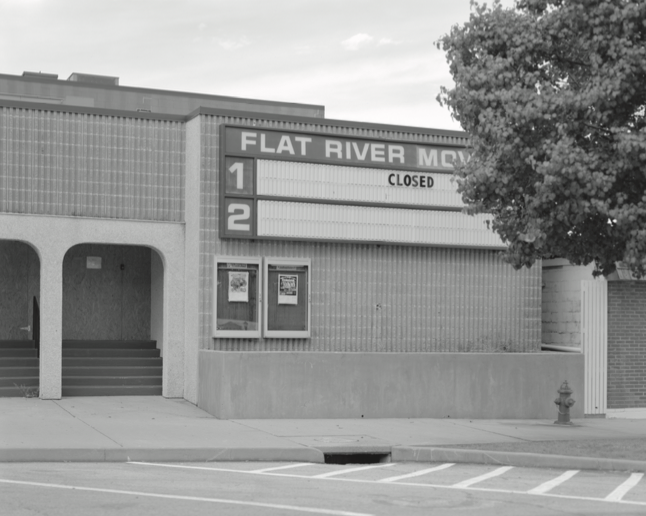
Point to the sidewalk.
(152, 428)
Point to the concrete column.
(192, 191)
(51, 323)
(173, 326)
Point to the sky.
(364, 60)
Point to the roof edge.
(328, 122)
(65, 108)
(261, 102)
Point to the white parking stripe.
(412, 484)
(351, 470)
(417, 473)
(551, 484)
(182, 466)
(481, 478)
(621, 491)
(289, 466)
(189, 498)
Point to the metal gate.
(594, 342)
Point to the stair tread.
(121, 376)
(15, 392)
(27, 381)
(142, 390)
(107, 352)
(93, 381)
(75, 367)
(109, 358)
(10, 361)
(111, 344)
(13, 372)
(112, 371)
(17, 352)
(17, 344)
(111, 362)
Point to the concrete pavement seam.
(86, 423)
(547, 423)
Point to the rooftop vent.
(103, 80)
(40, 75)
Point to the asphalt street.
(254, 488)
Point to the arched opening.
(112, 321)
(19, 319)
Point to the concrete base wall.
(234, 385)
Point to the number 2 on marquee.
(237, 214)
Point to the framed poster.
(287, 289)
(236, 294)
(238, 286)
(286, 311)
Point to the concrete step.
(112, 371)
(19, 362)
(17, 352)
(111, 368)
(111, 344)
(17, 344)
(17, 381)
(89, 368)
(16, 372)
(107, 352)
(76, 381)
(111, 362)
(113, 390)
(18, 392)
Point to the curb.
(162, 455)
(531, 460)
(316, 455)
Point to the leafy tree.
(552, 94)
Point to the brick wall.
(626, 344)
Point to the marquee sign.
(286, 185)
(339, 150)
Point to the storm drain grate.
(356, 458)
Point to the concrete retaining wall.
(234, 385)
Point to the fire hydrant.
(564, 403)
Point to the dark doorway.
(106, 292)
(19, 319)
(110, 341)
(19, 283)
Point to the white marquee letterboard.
(311, 186)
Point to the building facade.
(283, 264)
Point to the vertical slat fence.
(594, 341)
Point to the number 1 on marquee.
(238, 169)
